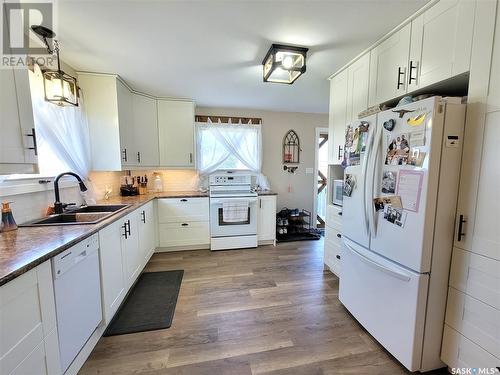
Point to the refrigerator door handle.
(387, 270)
(364, 173)
(371, 212)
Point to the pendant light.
(60, 88)
(284, 64)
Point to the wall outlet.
(309, 170)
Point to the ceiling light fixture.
(284, 64)
(60, 88)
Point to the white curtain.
(228, 146)
(64, 133)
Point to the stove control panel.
(230, 179)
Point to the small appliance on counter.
(128, 187)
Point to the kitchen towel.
(235, 211)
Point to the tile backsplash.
(26, 207)
(31, 206)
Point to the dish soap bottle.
(8, 222)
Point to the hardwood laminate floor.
(271, 310)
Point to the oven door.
(220, 228)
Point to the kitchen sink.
(99, 208)
(82, 215)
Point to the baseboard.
(182, 248)
(267, 242)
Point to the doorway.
(320, 176)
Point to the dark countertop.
(27, 247)
(267, 192)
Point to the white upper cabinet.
(126, 124)
(337, 116)
(145, 122)
(388, 67)
(441, 43)
(18, 152)
(100, 94)
(357, 89)
(435, 46)
(176, 133)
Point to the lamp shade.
(60, 88)
(284, 64)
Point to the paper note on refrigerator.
(410, 188)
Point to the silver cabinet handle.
(190, 158)
(138, 157)
(124, 154)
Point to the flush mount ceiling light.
(60, 88)
(284, 64)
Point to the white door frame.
(317, 133)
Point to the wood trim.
(225, 119)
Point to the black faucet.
(58, 206)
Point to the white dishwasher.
(77, 292)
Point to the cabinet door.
(266, 224)
(147, 231)
(357, 90)
(494, 86)
(132, 255)
(337, 117)
(480, 221)
(12, 148)
(388, 67)
(176, 133)
(441, 43)
(112, 280)
(145, 127)
(125, 121)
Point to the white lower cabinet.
(132, 255)
(147, 231)
(460, 352)
(112, 275)
(266, 223)
(333, 238)
(184, 234)
(28, 334)
(183, 223)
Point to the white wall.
(274, 127)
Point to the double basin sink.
(82, 215)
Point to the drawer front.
(331, 252)
(175, 210)
(333, 235)
(184, 234)
(334, 216)
(459, 352)
(475, 320)
(476, 276)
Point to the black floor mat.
(290, 237)
(150, 305)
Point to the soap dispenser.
(8, 222)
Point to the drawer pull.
(339, 213)
(184, 224)
(339, 235)
(184, 200)
(337, 256)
